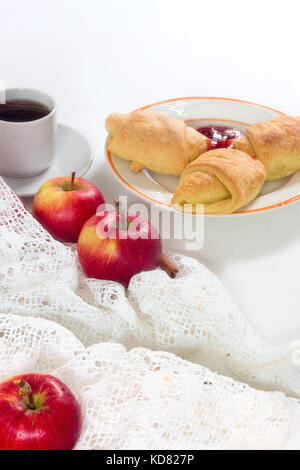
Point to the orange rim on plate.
(112, 165)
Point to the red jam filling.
(220, 136)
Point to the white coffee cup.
(27, 148)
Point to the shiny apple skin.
(56, 426)
(103, 257)
(63, 212)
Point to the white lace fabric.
(153, 389)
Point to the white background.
(96, 57)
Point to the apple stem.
(73, 179)
(122, 218)
(168, 267)
(117, 204)
(26, 394)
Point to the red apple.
(62, 205)
(38, 412)
(108, 251)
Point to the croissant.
(151, 140)
(275, 143)
(223, 180)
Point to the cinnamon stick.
(168, 267)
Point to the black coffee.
(22, 111)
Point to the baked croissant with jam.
(151, 140)
(223, 180)
(275, 143)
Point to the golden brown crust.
(136, 167)
(113, 122)
(243, 144)
(196, 143)
(234, 179)
(212, 190)
(276, 144)
(154, 141)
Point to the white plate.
(199, 111)
(73, 153)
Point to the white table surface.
(96, 57)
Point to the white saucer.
(197, 111)
(73, 153)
